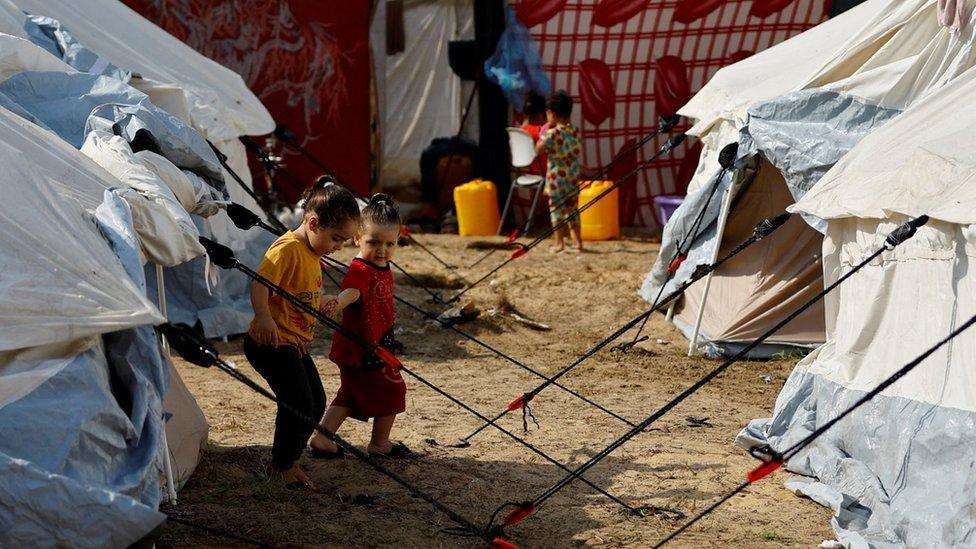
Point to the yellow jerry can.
(600, 221)
(476, 204)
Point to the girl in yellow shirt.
(276, 341)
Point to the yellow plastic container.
(600, 221)
(476, 204)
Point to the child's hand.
(265, 331)
(329, 305)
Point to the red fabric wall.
(309, 65)
(626, 62)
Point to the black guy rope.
(245, 219)
(250, 192)
(215, 531)
(282, 132)
(193, 348)
(665, 125)
(774, 460)
(764, 229)
(726, 159)
(223, 257)
(896, 237)
(271, 165)
(668, 146)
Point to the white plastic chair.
(523, 154)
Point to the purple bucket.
(666, 205)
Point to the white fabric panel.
(419, 95)
(19, 55)
(774, 71)
(898, 306)
(60, 281)
(923, 162)
(166, 232)
(221, 105)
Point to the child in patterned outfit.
(563, 145)
(368, 388)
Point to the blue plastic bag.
(516, 65)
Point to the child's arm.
(334, 304)
(265, 329)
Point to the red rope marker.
(518, 403)
(520, 252)
(676, 263)
(513, 236)
(764, 469)
(499, 543)
(404, 232)
(519, 514)
(388, 358)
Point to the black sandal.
(398, 451)
(299, 486)
(315, 453)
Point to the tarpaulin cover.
(899, 471)
(82, 419)
(50, 35)
(516, 66)
(220, 103)
(891, 61)
(60, 280)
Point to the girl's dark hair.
(534, 104)
(381, 210)
(560, 103)
(331, 202)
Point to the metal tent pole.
(167, 462)
(722, 220)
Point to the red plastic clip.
(520, 252)
(499, 543)
(676, 263)
(404, 232)
(520, 513)
(519, 402)
(387, 357)
(513, 236)
(764, 469)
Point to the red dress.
(367, 388)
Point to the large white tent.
(209, 97)
(899, 472)
(828, 88)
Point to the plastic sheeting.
(516, 65)
(49, 34)
(420, 97)
(220, 103)
(60, 280)
(79, 460)
(899, 471)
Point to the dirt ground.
(583, 298)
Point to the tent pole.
(722, 220)
(167, 463)
(670, 315)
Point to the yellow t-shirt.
(291, 264)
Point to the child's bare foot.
(293, 477)
(555, 249)
(320, 446)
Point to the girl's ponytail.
(331, 202)
(381, 210)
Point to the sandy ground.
(584, 298)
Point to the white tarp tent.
(76, 466)
(895, 54)
(899, 472)
(208, 96)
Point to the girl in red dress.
(369, 389)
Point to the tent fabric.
(59, 42)
(898, 471)
(93, 417)
(803, 133)
(43, 301)
(220, 103)
(186, 428)
(420, 98)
